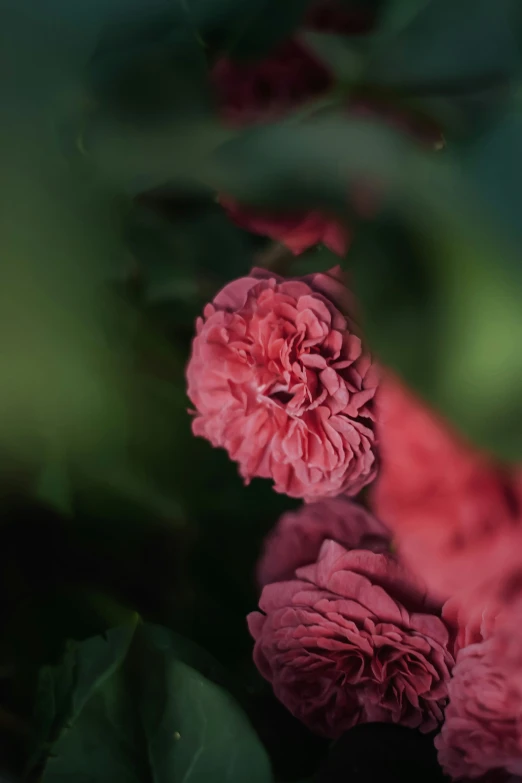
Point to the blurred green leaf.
(493, 166)
(343, 56)
(152, 68)
(397, 14)
(312, 164)
(141, 711)
(444, 45)
(248, 30)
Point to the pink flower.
(296, 539)
(454, 513)
(297, 231)
(351, 640)
(279, 379)
(266, 90)
(483, 722)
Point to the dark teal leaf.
(343, 56)
(250, 29)
(150, 715)
(63, 691)
(311, 164)
(493, 164)
(445, 45)
(153, 67)
(398, 14)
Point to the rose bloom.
(279, 379)
(454, 513)
(351, 640)
(482, 729)
(296, 539)
(298, 231)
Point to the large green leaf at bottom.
(146, 715)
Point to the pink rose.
(266, 90)
(455, 514)
(350, 640)
(279, 379)
(482, 730)
(297, 231)
(296, 539)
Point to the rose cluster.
(402, 606)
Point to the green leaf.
(343, 56)
(144, 713)
(398, 14)
(250, 29)
(493, 165)
(151, 68)
(311, 164)
(443, 45)
(63, 691)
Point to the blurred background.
(125, 127)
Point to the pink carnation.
(350, 640)
(483, 722)
(279, 379)
(296, 539)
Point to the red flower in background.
(454, 512)
(457, 519)
(279, 378)
(482, 728)
(265, 91)
(296, 539)
(298, 231)
(351, 639)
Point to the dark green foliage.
(127, 706)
